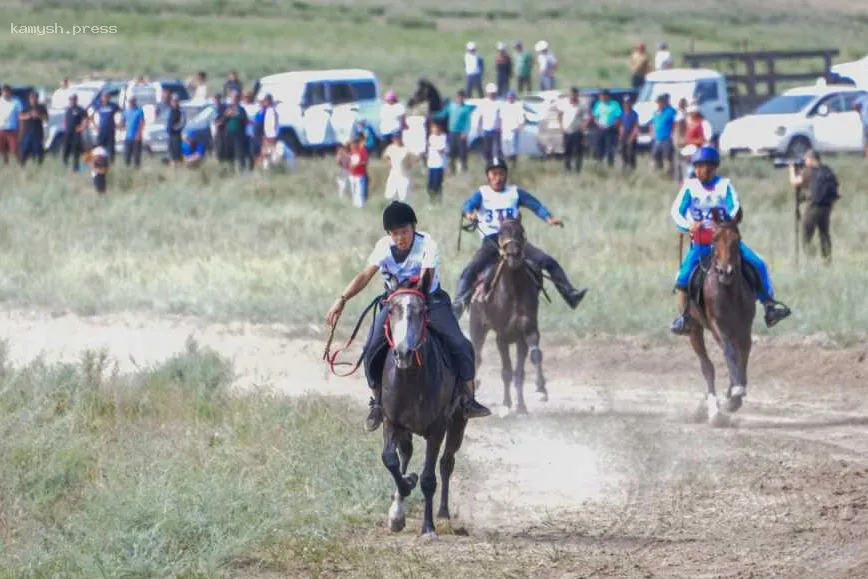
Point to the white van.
(317, 108)
(707, 87)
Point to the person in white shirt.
(473, 68)
(270, 126)
(393, 118)
(436, 160)
(400, 159)
(514, 118)
(573, 117)
(547, 65)
(198, 85)
(490, 124)
(663, 58)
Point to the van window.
(314, 94)
(365, 90)
(834, 102)
(850, 99)
(341, 93)
(706, 91)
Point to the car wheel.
(798, 147)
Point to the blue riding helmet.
(706, 154)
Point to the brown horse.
(507, 302)
(726, 307)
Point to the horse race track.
(610, 478)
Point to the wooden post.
(750, 65)
(772, 89)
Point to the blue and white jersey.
(695, 201)
(494, 207)
(423, 255)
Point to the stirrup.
(681, 325)
(775, 312)
(375, 416)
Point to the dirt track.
(609, 478)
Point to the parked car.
(707, 87)
(155, 139)
(812, 117)
(318, 108)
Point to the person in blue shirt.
(133, 122)
(628, 132)
(104, 113)
(663, 126)
(607, 114)
(363, 128)
(457, 115)
(192, 151)
(494, 203)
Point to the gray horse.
(419, 396)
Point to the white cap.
(99, 152)
(501, 46)
(491, 88)
(541, 45)
(471, 45)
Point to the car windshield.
(204, 118)
(60, 98)
(784, 105)
(676, 91)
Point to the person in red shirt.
(359, 171)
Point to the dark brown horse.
(418, 397)
(727, 308)
(508, 302)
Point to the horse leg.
(428, 482)
(697, 341)
(397, 514)
(738, 385)
(536, 358)
(404, 485)
(478, 331)
(506, 372)
(521, 359)
(454, 437)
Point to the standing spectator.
(607, 113)
(342, 158)
(861, 106)
(218, 128)
(473, 69)
(663, 58)
(524, 58)
(663, 123)
(175, 122)
(10, 115)
(572, 117)
(236, 122)
(367, 132)
(458, 114)
(640, 64)
(547, 65)
(270, 126)
(359, 171)
(252, 140)
(32, 130)
(436, 159)
(104, 118)
(74, 123)
(514, 119)
(490, 124)
(232, 84)
(133, 123)
(503, 68)
(400, 159)
(393, 118)
(697, 133)
(198, 86)
(824, 194)
(161, 111)
(628, 132)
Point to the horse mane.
(512, 228)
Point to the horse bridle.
(388, 323)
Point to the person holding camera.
(824, 193)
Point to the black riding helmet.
(398, 214)
(496, 163)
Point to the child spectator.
(343, 160)
(436, 159)
(98, 159)
(359, 171)
(398, 182)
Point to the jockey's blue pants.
(441, 321)
(697, 252)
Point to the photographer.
(824, 193)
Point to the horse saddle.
(700, 272)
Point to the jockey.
(497, 202)
(409, 257)
(691, 212)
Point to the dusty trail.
(610, 471)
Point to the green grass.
(280, 249)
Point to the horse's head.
(425, 93)
(512, 241)
(406, 326)
(727, 260)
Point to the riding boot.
(375, 416)
(570, 294)
(462, 291)
(775, 312)
(472, 408)
(681, 325)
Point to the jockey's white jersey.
(695, 201)
(424, 254)
(497, 207)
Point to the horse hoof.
(411, 480)
(543, 396)
(443, 514)
(397, 525)
(734, 403)
(522, 409)
(429, 536)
